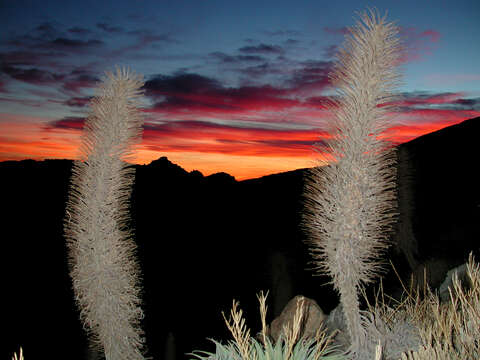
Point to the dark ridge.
(204, 241)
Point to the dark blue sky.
(231, 86)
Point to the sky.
(230, 86)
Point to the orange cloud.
(245, 149)
(24, 137)
(418, 122)
(206, 137)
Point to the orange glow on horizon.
(241, 167)
(29, 140)
(244, 153)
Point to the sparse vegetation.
(351, 210)
(351, 217)
(288, 347)
(448, 331)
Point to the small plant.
(288, 347)
(102, 260)
(448, 330)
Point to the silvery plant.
(102, 260)
(351, 201)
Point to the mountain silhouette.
(206, 240)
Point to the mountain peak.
(164, 164)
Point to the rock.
(434, 270)
(313, 318)
(336, 319)
(463, 276)
(399, 337)
(336, 322)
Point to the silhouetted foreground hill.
(204, 241)
(446, 188)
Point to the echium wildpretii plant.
(351, 202)
(103, 266)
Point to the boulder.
(336, 323)
(433, 270)
(313, 318)
(463, 276)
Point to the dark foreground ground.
(204, 241)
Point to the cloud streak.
(207, 137)
(417, 43)
(262, 49)
(261, 103)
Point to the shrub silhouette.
(351, 202)
(102, 260)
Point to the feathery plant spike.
(103, 267)
(350, 204)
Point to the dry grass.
(19, 357)
(453, 329)
(447, 330)
(289, 347)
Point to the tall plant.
(351, 202)
(102, 260)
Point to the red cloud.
(206, 137)
(192, 96)
(20, 139)
(68, 123)
(417, 44)
(432, 34)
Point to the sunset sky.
(232, 86)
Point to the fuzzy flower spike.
(102, 259)
(350, 204)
